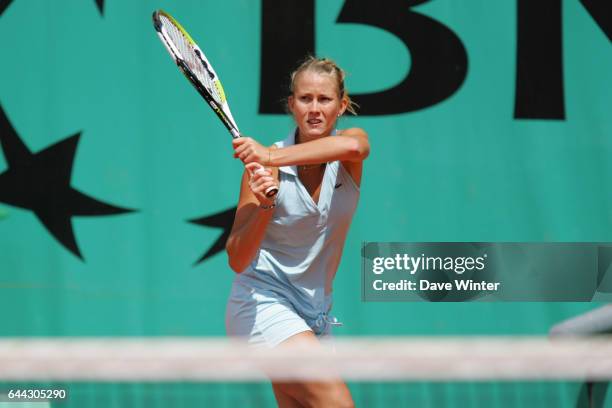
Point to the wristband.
(267, 207)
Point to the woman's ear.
(343, 105)
(290, 102)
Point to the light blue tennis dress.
(287, 287)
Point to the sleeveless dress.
(287, 287)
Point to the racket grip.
(270, 191)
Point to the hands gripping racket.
(198, 70)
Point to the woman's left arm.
(349, 145)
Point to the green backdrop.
(464, 169)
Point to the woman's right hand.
(259, 181)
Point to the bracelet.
(267, 207)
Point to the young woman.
(286, 249)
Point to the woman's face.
(315, 104)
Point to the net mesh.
(365, 394)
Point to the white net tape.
(361, 359)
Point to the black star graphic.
(40, 182)
(100, 4)
(5, 3)
(601, 12)
(224, 220)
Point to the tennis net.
(395, 371)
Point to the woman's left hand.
(248, 150)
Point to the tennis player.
(286, 249)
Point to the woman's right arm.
(251, 220)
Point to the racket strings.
(193, 59)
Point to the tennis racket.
(198, 70)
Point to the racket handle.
(270, 191)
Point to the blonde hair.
(328, 67)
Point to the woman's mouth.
(314, 122)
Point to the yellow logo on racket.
(220, 90)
